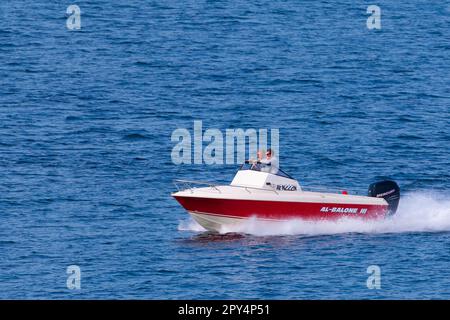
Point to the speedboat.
(256, 194)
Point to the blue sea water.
(86, 119)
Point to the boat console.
(251, 175)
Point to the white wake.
(417, 212)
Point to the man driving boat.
(268, 164)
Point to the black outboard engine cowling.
(389, 190)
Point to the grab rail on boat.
(328, 190)
(188, 185)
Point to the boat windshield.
(257, 167)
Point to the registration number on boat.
(286, 187)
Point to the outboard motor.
(389, 190)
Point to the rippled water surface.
(86, 119)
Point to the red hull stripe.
(277, 210)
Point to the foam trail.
(418, 212)
(190, 225)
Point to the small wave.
(136, 136)
(406, 118)
(418, 212)
(190, 225)
(72, 118)
(410, 137)
(148, 64)
(295, 81)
